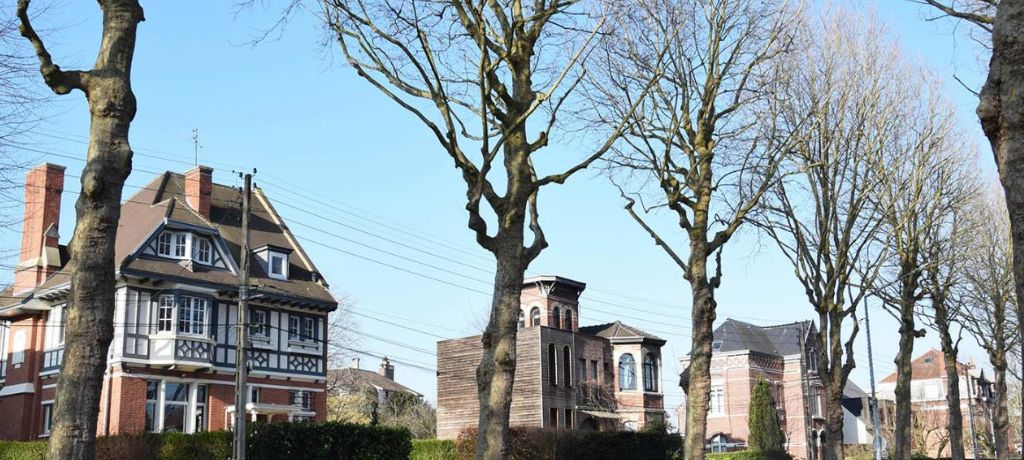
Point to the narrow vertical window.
(152, 398)
(293, 327)
(566, 366)
(163, 244)
(203, 250)
(199, 417)
(180, 245)
(716, 403)
(535, 317)
(555, 320)
(567, 420)
(47, 418)
(553, 417)
(568, 319)
(192, 316)
(627, 372)
(165, 313)
(522, 319)
(650, 380)
(552, 366)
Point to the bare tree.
(921, 170)
(1001, 108)
(90, 306)
(488, 80)
(703, 144)
(989, 292)
(821, 216)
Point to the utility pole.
(242, 343)
(195, 144)
(808, 423)
(877, 441)
(970, 410)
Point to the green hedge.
(750, 455)
(547, 444)
(433, 449)
(14, 450)
(328, 441)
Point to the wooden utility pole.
(876, 443)
(242, 342)
(804, 388)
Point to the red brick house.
(783, 355)
(595, 377)
(930, 411)
(171, 363)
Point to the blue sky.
(314, 131)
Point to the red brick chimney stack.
(40, 255)
(198, 187)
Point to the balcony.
(184, 352)
(52, 359)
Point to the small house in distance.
(602, 377)
(353, 379)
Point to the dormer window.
(278, 265)
(185, 245)
(204, 251)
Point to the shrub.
(433, 449)
(765, 432)
(750, 455)
(547, 444)
(214, 445)
(131, 446)
(14, 450)
(328, 441)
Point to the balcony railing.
(192, 350)
(52, 359)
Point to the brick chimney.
(198, 187)
(40, 255)
(386, 369)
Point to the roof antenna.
(195, 144)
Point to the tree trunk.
(955, 422)
(833, 448)
(902, 432)
(497, 369)
(1000, 415)
(90, 307)
(699, 384)
(1001, 111)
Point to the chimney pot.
(386, 369)
(40, 253)
(198, 188)
(355, 363)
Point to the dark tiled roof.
(617, 330)
(352, 377)
(781, 340)
(851, 390)
(163, 199)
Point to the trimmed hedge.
(167, 446)
(329, 441)
(750, 455)
(14, 450)
(547, 444)
(433, 449)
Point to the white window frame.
(200, 244)
(47, 408)
(55, 327)
(302, 329)
(283, 273)
(188, 307)
(716, 400)
(259, 328)
(164, 243)
(191, 404)
(165, 309)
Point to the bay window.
(301, 328)
(192, 314)
(177, 407)
(185, 245)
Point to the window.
(555, 320)
(568, 319)
(259, 324)
(716, 404)
(719, 443)
(535, 317)
(553, 417)
(581, 371)
(812, 360)
(566, 366)
(303, 399)
(812, 401)
(254, 394)
(180, 245)
(152, 399)
(627, 372)
(650, 377)
(175, 407)
(163, 245)
(192, 315)
(55, 327)
(165, 313)
(278, 265)
(301, 328)
(593, 370)
(47, 418)
(204, 252)
(552, 367)
(567, 420)
(199, 419)
(522, 319)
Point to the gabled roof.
(929, 365)
(618, 330)
(350, 377)
(851, 391)
(780, 340)
(162, 203)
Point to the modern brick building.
(928, 389)
(171, 363)
(596, 377)
(782, 355)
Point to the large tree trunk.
(497, 369)
(955, 421)
(1001, 110)
(833, 448)
(699, 383)
(1000, 415)
(90, 307)
(902, 433)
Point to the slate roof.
(351, 377)
(162, 202)
(618, 330)
(852, 391)
(781, 340)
